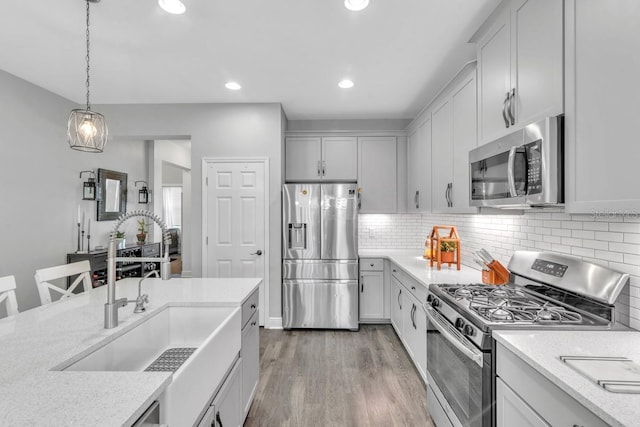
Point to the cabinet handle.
(413, 312)
(413, 288)
(324, 165)
(450, 185)
(512, 102)
(253, 306)
(218, 420)
(361, 284)
(504, 110)
(399, 293)
(253, 323)
(371, 265)
(318, 167)
(416, 199)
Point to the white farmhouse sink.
(213, 331)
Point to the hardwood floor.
(337, 378)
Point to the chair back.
(8, 294)
(43, 277)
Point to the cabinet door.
(413, 171)
(537, 45)
(303, 159)
(339, 158)
(397, 305)
(511, 410)
(441, 160)
(377, 177)
(415, 332)
(227, 403)
(424, 164)
(465, 130)
(494, 77)
(371, 295)
(603, 100)
(250, 352)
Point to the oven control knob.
(459, 323)
(435, 303)
(468, 330)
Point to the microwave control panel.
(534, 167)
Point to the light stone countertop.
(542, 351)
(37, 340)
(412, 262)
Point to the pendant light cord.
(87, 58)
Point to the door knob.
(258, 252)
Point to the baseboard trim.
(274, 323)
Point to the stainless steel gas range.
(547, 290)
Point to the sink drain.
(170, 360)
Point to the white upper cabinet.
(441, 156)
(603, 102)
(453, 135)
(377, 174)
(318, 158)
(520, 66)
(419, 166)
(302, 158)
(339, 158)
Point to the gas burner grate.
(171, 360)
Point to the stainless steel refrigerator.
(320, 256)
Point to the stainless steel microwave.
(520, 170)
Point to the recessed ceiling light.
(175, 7)
(356, 5)
(346, 84)
(233, 86)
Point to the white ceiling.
(399, 53)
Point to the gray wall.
(215, 130)
(40, 186)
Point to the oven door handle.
(453, 336)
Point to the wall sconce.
(143, 193)
(89, 186)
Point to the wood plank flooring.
(337, 378)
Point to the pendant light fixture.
(86, 129)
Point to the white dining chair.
(8, 294)
(43, 277)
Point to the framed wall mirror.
(112, 194)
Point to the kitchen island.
(34, 343)
(541, 351)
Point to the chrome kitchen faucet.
(113, 304)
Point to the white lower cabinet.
(397, 305)
(371, 295)
(408, 317)
(250, 353)
(225, 411)
(513, 411)
(524, 397)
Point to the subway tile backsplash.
(611, 241)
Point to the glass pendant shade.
(87, 131)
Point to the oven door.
(459, 374)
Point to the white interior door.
(235, 222)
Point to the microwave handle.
(511, 172)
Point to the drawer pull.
(413, 288)
(371, 265)
(253, 323)
(253, 306)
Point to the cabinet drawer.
(371, 264)
(556, 406)
(417, 289)
(249, 307)
(397, 273)
(151, 251)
